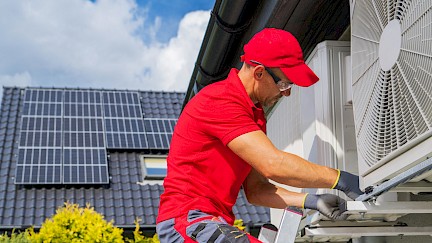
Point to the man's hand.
(349, 184)
(327, 204)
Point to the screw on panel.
(369, 189)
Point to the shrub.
(74, 224)
(140, 238)
(22, 237)
(239, 224)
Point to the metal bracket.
(413, 187)
(384, 211)
(408, 207)
(356, 232)
(397, 180)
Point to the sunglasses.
(282, 85)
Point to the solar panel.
(40, 146)
(84, 151)
(39, 166)
(43, 95)
(65, 134)
(124, 125)
(62, 138)
(159, 132)
(85, 166)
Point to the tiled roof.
(161, 104)
(124, 199)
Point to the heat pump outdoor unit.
(391, 48)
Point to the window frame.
(144, 167)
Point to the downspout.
(228, 22)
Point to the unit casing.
(392, 86)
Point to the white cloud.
(176, 61)
(17, 79)
(77, 43)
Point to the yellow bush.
(239, 224)
(140, 238)
(74, 224)
(22, 237)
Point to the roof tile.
(122, 201)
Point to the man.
(219, 145)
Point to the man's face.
(274, 91)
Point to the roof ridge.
(93, 89)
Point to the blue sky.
(171, 12)
(133, 44)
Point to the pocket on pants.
(215, 232)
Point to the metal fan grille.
(391, 107)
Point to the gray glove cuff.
(311, 201)
(349, 184)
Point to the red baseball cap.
(277, 48)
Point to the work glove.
(327, 204)
(349, 184)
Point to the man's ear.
(258, 72)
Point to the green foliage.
(22, 237)
(239, 224)
(140, 238)
(74, 224)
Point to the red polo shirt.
(203, 173)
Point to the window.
(154, 167)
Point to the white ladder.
(288, 227)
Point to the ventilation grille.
(391, 107)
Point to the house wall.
(316, 122)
